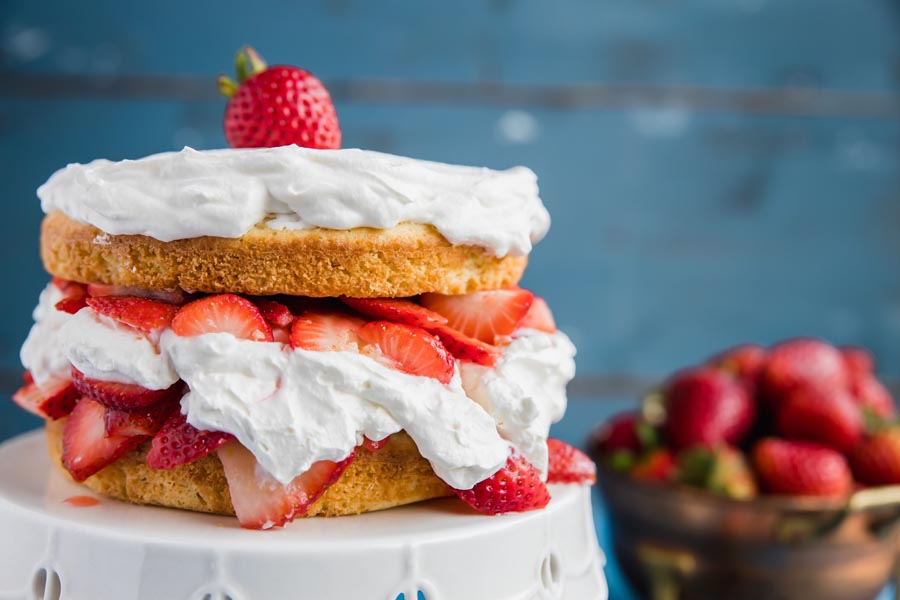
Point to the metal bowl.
(680, 543)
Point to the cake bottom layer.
(393, 476)
(57, 544)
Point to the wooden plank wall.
(717, 170)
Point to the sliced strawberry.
(65, 285)
(262, 502)
(86, 448)
(146, 422)
(139, 313)
(568, 464)
(282, 335)
(175, 296)
(486, 316)
(374, 446)
(278, 316)
(275, 313)
(74, 295)
(180, 443)
(71, 304)
(224, 313)
(517, 487)
(123, 396)
(409, 349)
(53, 400)
(326, 331)
(539, 317)
(69, 288)
(466, 348)
(27, 377)
(398, 310)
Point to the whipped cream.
(293, 407)
(103, 348)
(525, 392)
(41, 353)
(225, 193)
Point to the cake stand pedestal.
(57, 544)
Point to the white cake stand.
(51, 549)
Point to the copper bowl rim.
(862, 499)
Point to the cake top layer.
(225, 193)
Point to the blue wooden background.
(718, 170)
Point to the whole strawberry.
(870, 394)
(705, 406)
(722, 470)
(799, 362)
(277, 106)
(658, 466)
(858, 362)
(620, 432)
(744, 362)
(801, 468)
(876, 461)
(517, 487)
(816, 413)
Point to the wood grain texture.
(682, 223)
(736, 43)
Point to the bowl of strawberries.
(762, 473)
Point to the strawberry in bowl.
(739, 474)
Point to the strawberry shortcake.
(287, 331)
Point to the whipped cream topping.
(293, 407)
(525, 392)
(225, 193)
(42, 353)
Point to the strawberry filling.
(424, 337)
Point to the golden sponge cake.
(407, 260)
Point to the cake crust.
(408, 260)
(393, 476)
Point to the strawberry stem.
(257, 64)
(227, 86)
(241, 66)
(248, 63)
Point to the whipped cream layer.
(103, 348)
(525, 392)
(42, 353)
(292, 407)
(225, 193)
